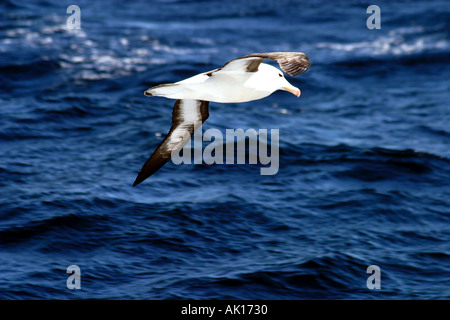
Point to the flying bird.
(240, 80)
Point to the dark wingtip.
(137, 181)
(148, 94)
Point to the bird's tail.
(167, 90)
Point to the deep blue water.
(364, 153)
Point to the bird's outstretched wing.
(187, 116)
(293, 63)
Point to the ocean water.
(364, 173)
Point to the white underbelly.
(219, 90)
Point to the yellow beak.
(293, 90)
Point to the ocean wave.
(408, 43)
(349, 152)
(315, 278)
(30, 70)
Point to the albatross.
(240, 80)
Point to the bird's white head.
(274, 80)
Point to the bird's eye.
(280, 75)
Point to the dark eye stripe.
(280, 75)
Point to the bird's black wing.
(187, 117)
(293, 63)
